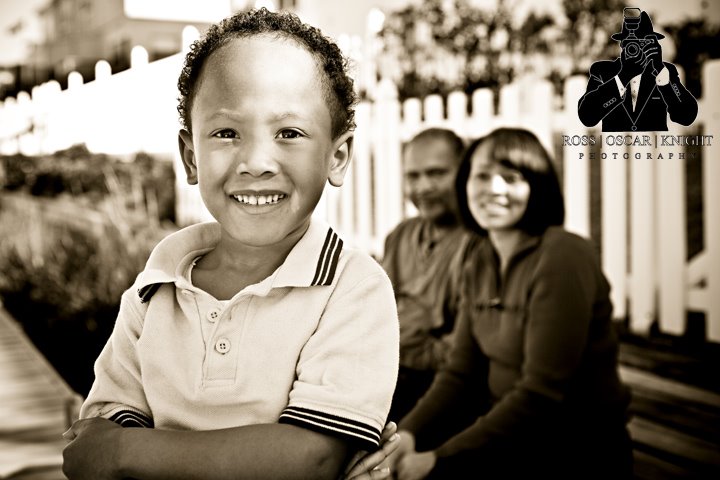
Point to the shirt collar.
(312, 261)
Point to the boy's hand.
(93, 450)
(365, 466)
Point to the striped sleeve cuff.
(131, 418)
(363, 435)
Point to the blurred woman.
(535, 356)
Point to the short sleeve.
(347, 370)
(117, 392)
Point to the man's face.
(429, 170)
(261, 147)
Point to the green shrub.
(62, 279)
(80, 173)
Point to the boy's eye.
(289, 133)
(226, 133)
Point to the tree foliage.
(441, 45)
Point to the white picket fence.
(643, 242)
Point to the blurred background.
(90, 179)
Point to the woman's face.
(497, 195)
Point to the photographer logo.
(637, 91)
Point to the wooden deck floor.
(35, 408)
(675, 425)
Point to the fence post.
(538, 117)
(711, 196)
(433, 110)
(411, 118)
(642, 236)
(457, 113)
(671, 230)
(27, 144)
(613, 218)
(576, 165)
(482, 113)
(363, 199)
(387, 163)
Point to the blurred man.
(636, 91)
(422, 258)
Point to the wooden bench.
(676, 423)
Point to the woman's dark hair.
(336, 83)
(521, 150)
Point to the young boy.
(423, 258)
(258, 346)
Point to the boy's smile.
(261, 148)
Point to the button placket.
(223, 344)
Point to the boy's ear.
(341, 156)
(187, 153)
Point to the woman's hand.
(406, 446)
(367, 466)
(416, 466)
(93, 450)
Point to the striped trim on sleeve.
(358, 433)
(130, 418)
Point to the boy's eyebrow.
(288, 115)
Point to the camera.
(632, 44)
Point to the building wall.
(78, 33)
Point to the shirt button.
(222, 345)
(213, 314)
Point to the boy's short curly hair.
(337, 84)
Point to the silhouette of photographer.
(636, 91)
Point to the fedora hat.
(642, 28)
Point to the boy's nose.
(256, 160)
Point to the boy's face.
(261, 147)
(429, 170)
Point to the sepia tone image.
(408, 239)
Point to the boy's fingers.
(392, 444)
(74, 430)
(370, 462)
(387, 432)
(365, 463)
(376, 474)
(354, 464)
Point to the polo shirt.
(315, 344)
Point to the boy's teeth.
(258, 199)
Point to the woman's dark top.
(535, 354)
